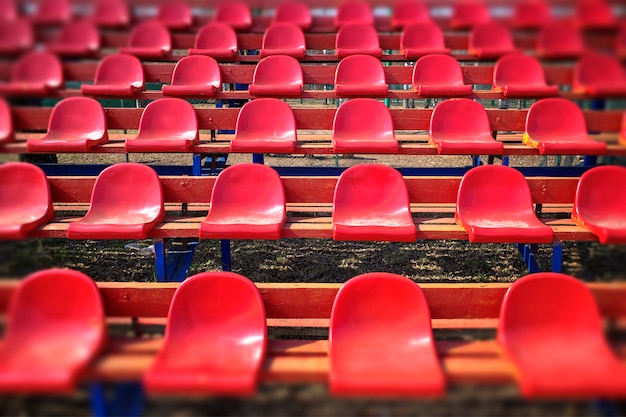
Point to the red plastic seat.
(359, 76)
(550, 328)
(6, 123)
(215, 338)
(621, 41)
(622, 136)
(8, 10)
(595, 14)
(467, 14)
(381, 341)
(76, 124)
(149, 39)
(521, 76)
(50, 340)
(556, 126)
(294, 12)
(16, 36)
(265, 125)
(600, 203)
(217, 40)
(371, 202)
(357, 39)
(175, 15)
(283, 39)
(354, 12)
(277, 75)
(460, 126)
(25, 201)
(363, 125)
(166, 125)
(126, 203)
(439, 75)
(117, 75)
(52, 12)
(78, 38)
(420, 39)
(530, 14)
(235, 14)
(597, 75)
(111, 14)
(408, 12)
(247, 202)
(560, 40)
(494, 205)
(194, 75)
(34, 74)
(491, 40)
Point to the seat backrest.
(555, 118)
(422, 35)
(283, 36)
(556, 36)
(197, 70)
(39, 67)
(169, 117)
(364, 118)
(150, 34)
(111, 13)
(519, 70)
(235, 14)
(598, 69)
(175, 14)
(437, 69)
(120, 69)
(6, 122)
(357, 36)
(80, 32)
(8, 10)
(406, 12)
(30, 184)
(591, 13)
(354, 11)
(533, 13)
(216, 35)
(277, 70)
(54, 11)
(266, 117)
(459, 117)
(601, 191)
(77, 117)
(295, 12)
(466, 14)
(16, 36)
(491, 34)
(359, 69)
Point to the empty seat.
(420, 39)
(235, 14)
(407, 12)
(76, 124)
(353, 11)
(556, 126)
(25, 201)
(277, 75)
(52, 12)
(521, 76)
(494, 205)
(550, 328)
(381, 341)
(359, 76)
(595, 14)
(16, 36)
(357, 39)
(530, 14)
(215, 338)
(126, 203)
(116, 75)
(460, 126)
(6, 123)
(294, 12)
(195, 75)
(283, 39)
(597, 75)
(149, 39)
(50, 340)
(600, 203)
(559, 40)
(78, 38)
(439, 75)
(247, 202)
(217, 40)
(111, 14)
(466, 15)
(8, 10)
(363, 125)
(371, 202)
(34, 74)
(166, 125)
(265, 125)
(175, 15)
(491, 40)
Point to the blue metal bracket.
(172, 264)
(557, 256)
(126, 399)
(226, 259)
(528, 255)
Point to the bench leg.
(528, 255)
(257, 158)
(557, 256)
(172, 265)
(127, 399)
(226, 260)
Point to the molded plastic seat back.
(126, 203)
(530, 14)
(557, 126)
(265, 125)
(381, 341)
(277, 75)
(461, 126)
(560, 40)
(76, 125)
(550, 328)
(52, 12)
(16, 36)
(283, 39)
(491, 40)
(195, 75)
(35, 73)
(55, 328)
(439, 75)
(79, 38)
(8, 10)
(407, 12)
(149, 39)
(294, 12)
(371, 202)
(521, 76)
(420, 39)
(166, 125)
(468, 14)
(357, 39)
(117, 75)
(600, 203)
(363, 125)
(25, 201)
(6, 123)
(111, 14)
(247, 202)
(217, 40)
(235, 14)
(595, 15)
(353, 11)
(175, 14)
(360, 75)
(215, 339)
(494, 205)
(599, 75)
